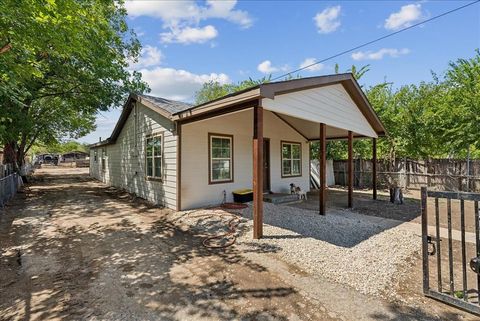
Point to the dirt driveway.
(75, 249)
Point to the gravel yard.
(341, 246)
(345, 247)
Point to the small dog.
(298, 191)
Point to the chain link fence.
(9, 186)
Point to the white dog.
(298, 191)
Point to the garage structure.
(183, 156)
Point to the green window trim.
(220, 158)
(291, 155)
(154, 156)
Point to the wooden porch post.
(322, 163)
(374, 167)
(257, 172)
(350, 168)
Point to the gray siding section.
(125, 160)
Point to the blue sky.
(186, 43)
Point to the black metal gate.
(455, 236)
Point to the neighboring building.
(74, 156)
(183, 156)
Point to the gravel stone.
(341, 246)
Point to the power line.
(378, 39)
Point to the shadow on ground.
(75, 249)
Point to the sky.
(187, 43)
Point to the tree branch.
(6, 47)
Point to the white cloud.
(379, 54)
(225, 10)
(408, 15)
(149, 56)
(328, 20)
(178, 84)
(184, 17)
(310, 61)
(266, 67)
(189, 35)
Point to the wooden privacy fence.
(436, 174)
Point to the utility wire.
(378, 39)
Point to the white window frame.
(211, 180)
(291, 159)
(154, 176)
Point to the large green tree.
(458, 117)
(61, 63)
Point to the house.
(183, 156)
(73, 156)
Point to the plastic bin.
(242, 195)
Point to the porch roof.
(335, 100)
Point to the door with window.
(266, 165)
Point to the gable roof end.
(162, 106)
(270, 90)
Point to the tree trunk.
(10, 154)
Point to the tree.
(459, 115)
(213, 89)
(67, 60)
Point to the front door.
(266, 165)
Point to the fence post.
(426, 285)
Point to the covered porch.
(318, 109)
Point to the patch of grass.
(458, 294)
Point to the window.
(95, 155)
(104, 156)
(220, 158)
(291, 159)
(154, 152)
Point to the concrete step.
(280, 198)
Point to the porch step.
(280, 198)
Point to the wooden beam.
(322, 161)
(374, 167)
(290, 125)
(350, 169)
(257, 172)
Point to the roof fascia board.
(270, 90)
(225, 102)
(153, 107)
(356, 94)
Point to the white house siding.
(195, 189)
(125, 165)
(331, 105)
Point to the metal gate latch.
(429, 241)
(475, 264)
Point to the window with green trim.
(291, 159)
(221, 158)
(154, 156)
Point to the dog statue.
(298, 191)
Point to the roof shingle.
(170, 106)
